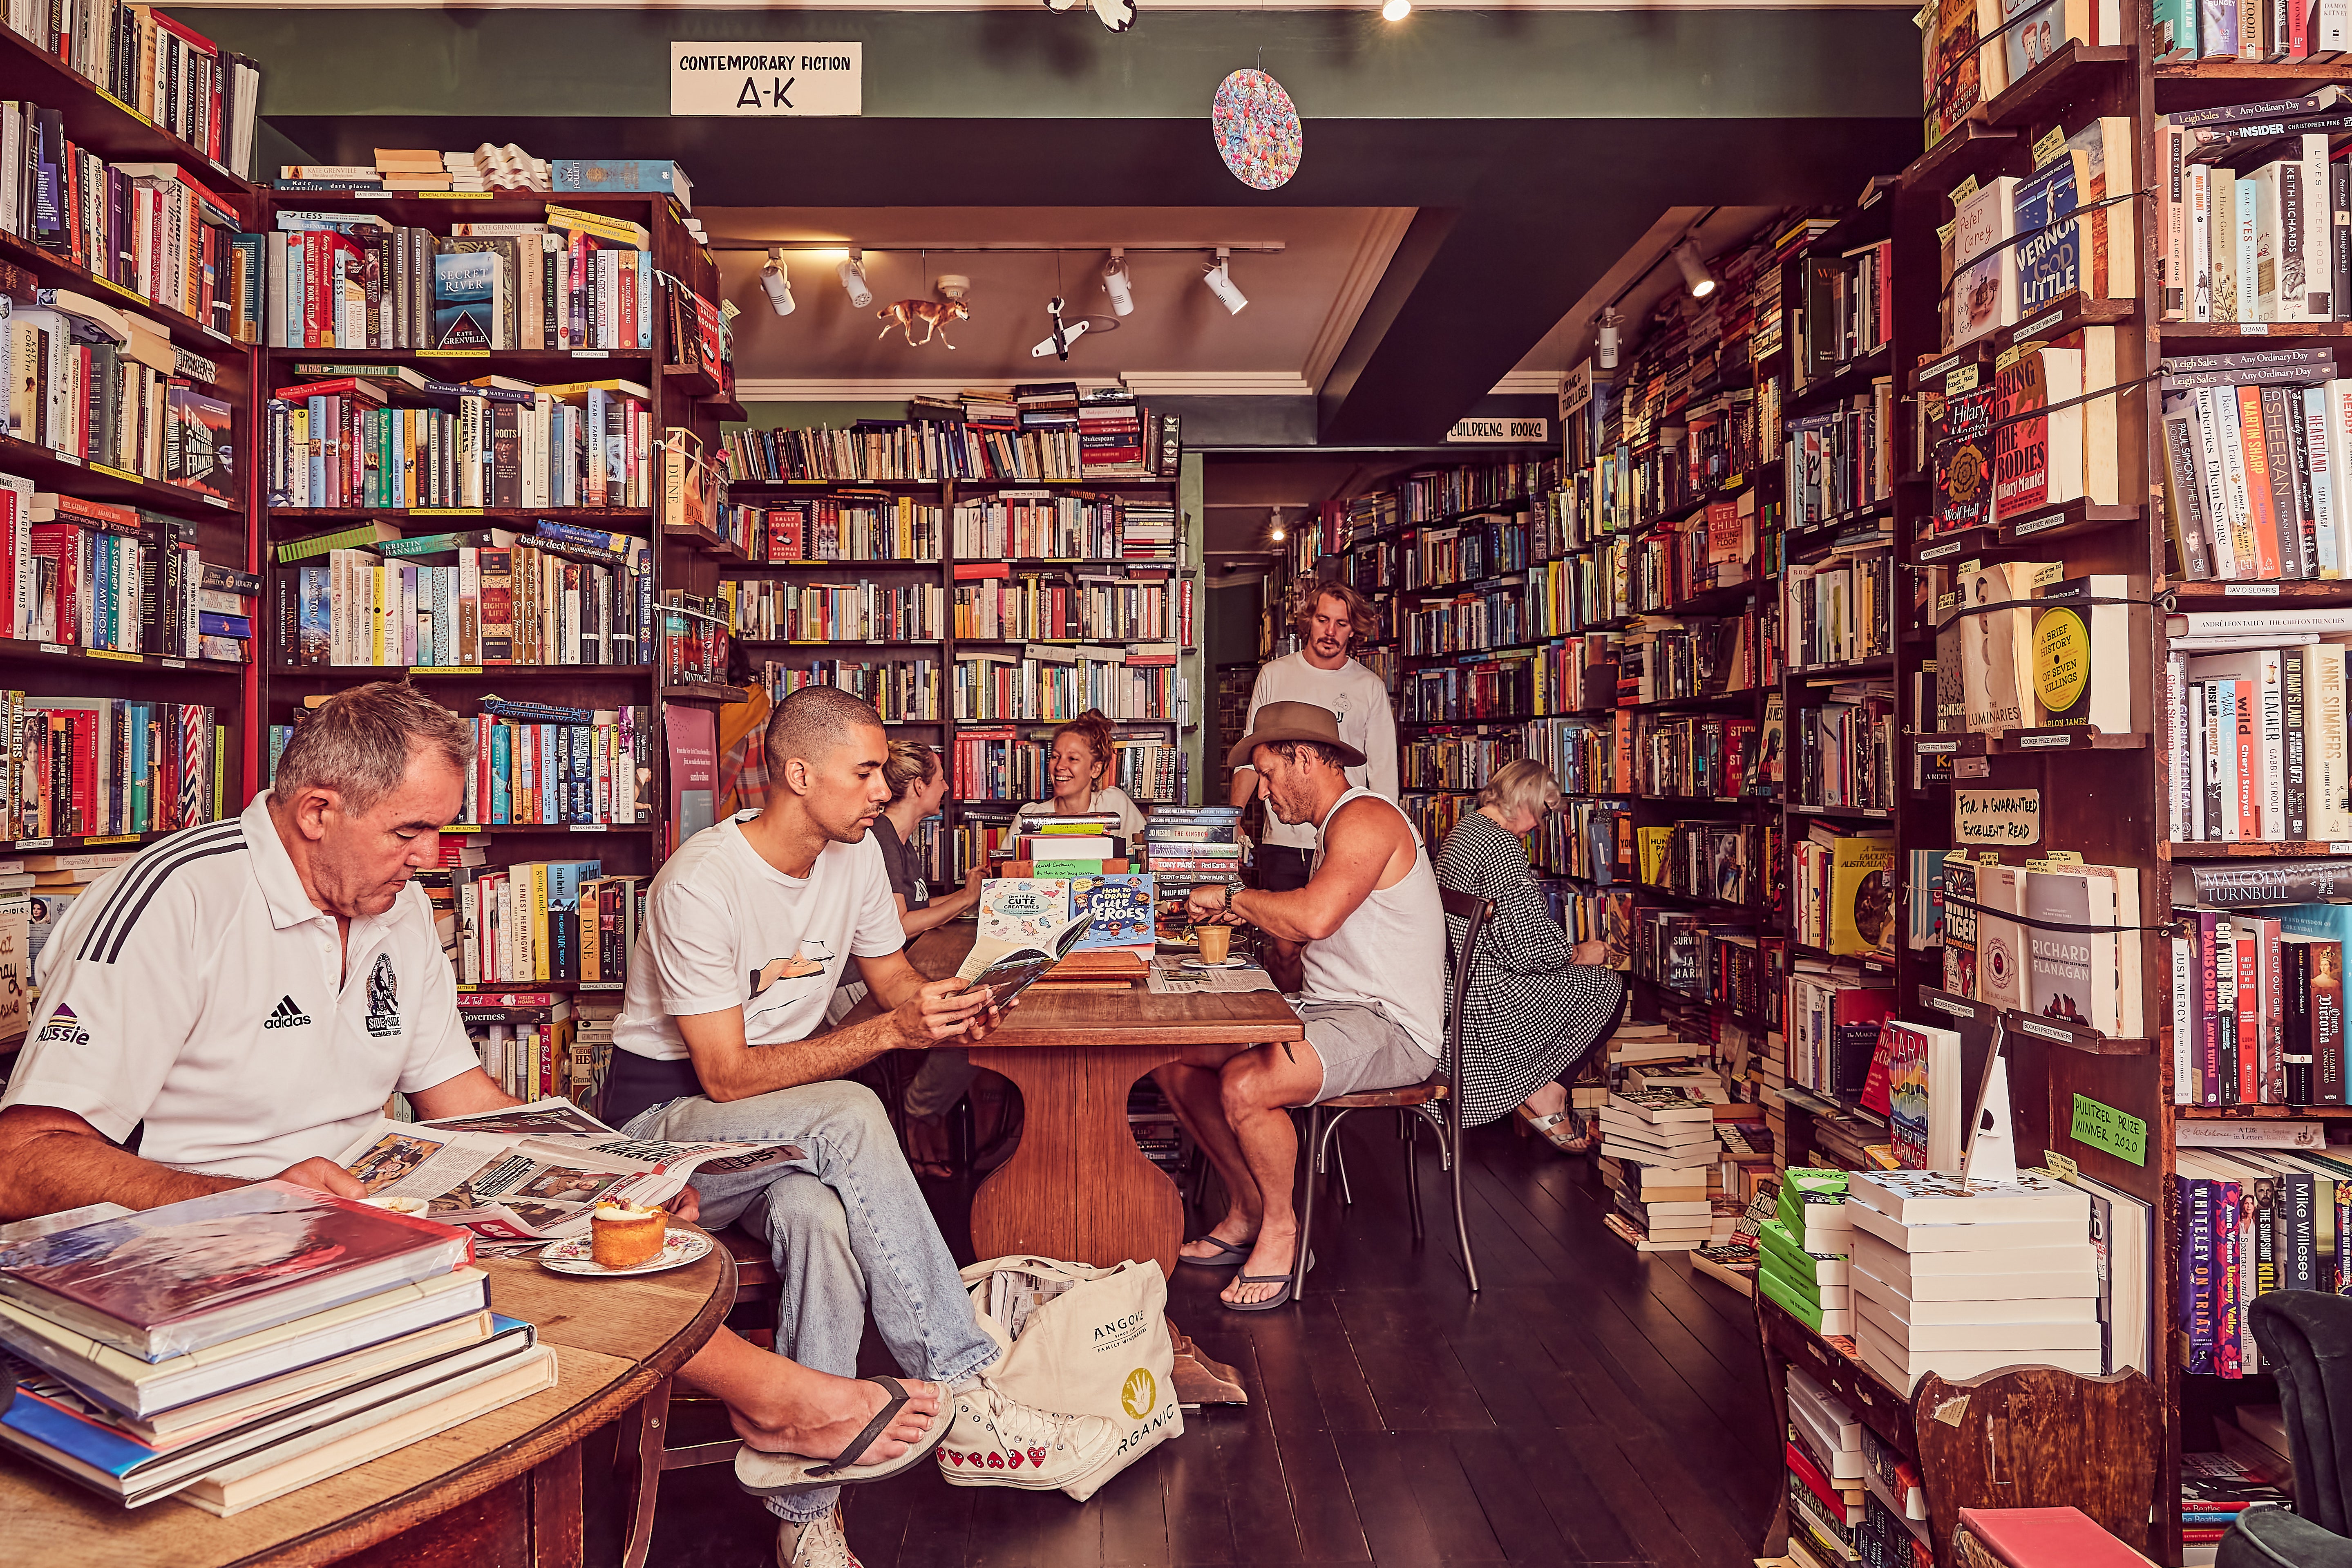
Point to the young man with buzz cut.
(1331, 618)
(746, 932)
(1371, 933)
(240, 1000)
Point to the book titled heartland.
(170, 1281)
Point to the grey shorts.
(1361, 1048)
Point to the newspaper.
(531, 1173)
(1169, 977)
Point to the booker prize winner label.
(2118, 1133)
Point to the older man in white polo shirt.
(236, 1000)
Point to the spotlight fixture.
(1395, 10)
(1220, 279)
(1608, 324)
(1695, 276)
(778, 282)
(1276, 532)
(852, 273)
(1117, 284)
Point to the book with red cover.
(177, 1279)
(2047, 1538)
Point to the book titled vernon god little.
(177, 1279)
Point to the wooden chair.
(1433, 1100)
(641, 1451)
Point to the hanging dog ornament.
(1257, 130)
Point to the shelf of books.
(127, 567)
(481, 428)
(982, 570)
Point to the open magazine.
(531, 1173)
(1009, 968)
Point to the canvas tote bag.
(1082, 1341)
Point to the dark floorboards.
(1588, 1405)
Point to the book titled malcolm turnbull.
(169, 1281)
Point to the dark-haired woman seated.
(1537, 1003)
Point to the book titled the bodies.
(169, 1281)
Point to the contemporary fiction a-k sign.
(766, 78)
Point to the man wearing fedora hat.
(1372, 994)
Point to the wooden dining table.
(1076, 1187)
(505, 1488)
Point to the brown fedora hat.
(1279, 722)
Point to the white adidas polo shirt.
(198, 991)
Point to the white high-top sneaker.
(819, 1544)
(996, 1441)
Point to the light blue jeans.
(849, 1230)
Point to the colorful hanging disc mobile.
(1257, 130)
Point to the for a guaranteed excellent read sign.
(766, 78)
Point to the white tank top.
(1390, 952)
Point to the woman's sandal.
(1550, 1129)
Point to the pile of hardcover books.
(1804, 1248)
(1963, 1276)
(231, 1348)
(1185, 847)
(1657, 1149)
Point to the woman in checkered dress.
(1537, 1004)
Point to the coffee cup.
(1215, 943)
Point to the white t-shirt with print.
(1366, 722)
(724, 928)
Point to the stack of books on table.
(1825, 1460)
(1115, 946)
(1961, 1277)
(2214, 1489)
(1185, 847)
(231, 1348)
(1803, 1249)
(1657, 1146)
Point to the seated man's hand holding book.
(945, 1011)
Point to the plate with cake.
(623, 1239)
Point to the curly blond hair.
(1306, 597)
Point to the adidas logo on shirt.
(287, 1015)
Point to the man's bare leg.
(1194, 1091)
(782, 1407)
(1258, 1087)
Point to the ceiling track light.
(1219, 277)
(1117, 284)
(1395, 10)
(1695, 276)
(852, 273)
(778, 282)
(1608, 348)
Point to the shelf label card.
(116, 655)
(748, 77)
(2116, 1132)
(2050, 146)
(1997, 816)
(2250, 591)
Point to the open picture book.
(1009, 967)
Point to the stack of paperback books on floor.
(1963, 1276)
(1657, 1146)
(231, 1348)
(1803, 1247)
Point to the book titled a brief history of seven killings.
(196, 1273)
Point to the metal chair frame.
(1439, 1105)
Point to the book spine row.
(998, 765)
(829, 529)
(2263, 745)
(521, 605)
(769, 609)
(542, 921)
(333, 451)
(1040, 528)
(903, 691)
(1434, 497)
(154, 65)
(2253, 474)
(94, 766)
(2258, 1016)
(1839, 462)
(99, 404)
(557, 775)
(1838, 612)
(1131, 610)
(1035, 689)
(1700, 959)
(342, 281)
(1843, 754)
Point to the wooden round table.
(503, 1488)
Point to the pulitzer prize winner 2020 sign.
(763, 79)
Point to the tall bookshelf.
(208, 360)
(944, 659)
(683, 392)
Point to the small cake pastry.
(623, 1238)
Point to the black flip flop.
(764, 1474)
(1279, 1298)
(1228, 1253)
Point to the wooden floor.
(1587, 1407)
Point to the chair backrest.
(1474, 912)
(2306, 1338)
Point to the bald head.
(815, 721)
